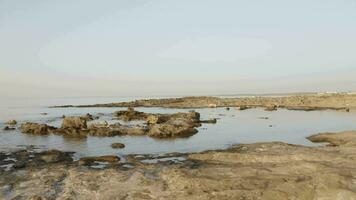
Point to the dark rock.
(117, 146)
(54, 156)
(7, 128)
(209, 121)
(90, 160)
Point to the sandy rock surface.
(269, 171)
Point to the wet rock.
(132, 130)
(71, 132)
(88, 117)
(156, 119)
(227, 108)
(242, 107)
(74, 122)
(36, 129)
(44, 113)
(11, 122)
(209, 121)
(7, 128)
(171, 130)
(117, 146)
(130, 114)
(271, 108)
(103, 124)
(90, 160)
(54, 156)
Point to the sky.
(52, 48)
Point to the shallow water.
(233, 127)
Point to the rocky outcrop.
(130, 114)
(307, 102)
(346, 138)
(36, 129)
(176, 125)
(11, 122)
(158, 125)
(74, 123)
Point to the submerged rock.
(90, 160)
(117, 146)
(35, 128)
(7, 128)
(54, 156)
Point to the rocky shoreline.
(271, 170)
(154, 125)
(307, 102)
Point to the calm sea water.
(233, 127)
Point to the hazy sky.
(175, 47)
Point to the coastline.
(272, 170)
(338, 101)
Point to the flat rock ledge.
(268, 171)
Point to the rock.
(71, 132)
(156, 119)
(132, 130)
(347, 109)
(117, 146)
(209, 121)
(227, 108)
(271, 108)
(37, 129)
(74, 122)
(103, 124)
(212, 105)
(11, 122)
(54, 156)
(89, 160)
(44, 113)
(171, 130)
(130, 114)
(242, 107)
(88, 117)
(7, 128)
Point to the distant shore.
(307, 102)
